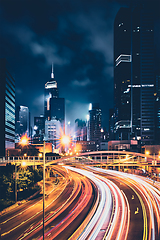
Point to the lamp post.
(43, 186)
(24, 141)
(15, 182)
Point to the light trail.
(102, 218)
(95, 224)
(149, 197)
(38, 226)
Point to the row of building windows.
(8, 131)
(8, 115)
(10, 95)
(10, 109)
(9, 101)
(9, 124)
(10, 136)
(10, 90)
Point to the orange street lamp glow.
(147, 152)
(65, 140)
(23, 164)
(24, 140)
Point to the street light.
(15, 183)
(65, 140)
(40, 155)
(43, 185)
(25, 141)
(23, 164)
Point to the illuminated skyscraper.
(95, 118)
(54, 106)
(122, 73)
(22, 120)
(52, 132)
(134, 73)
(7, 108)
(80, 130)
(51, 92)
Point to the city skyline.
(77, 38)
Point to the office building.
(122, 73)
(7, 108)
(22, 121)
(53, 132)
(39, 128)
(134, 74)
(157, 110)
(39, 123)
(95, 116)
(54, 106)
(80, 130)
(111, 123)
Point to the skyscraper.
(95, 116)
(22, 121)
(54, 106)
(7, 108)
(80, 130)
(52, 132)
(51, 92)
(157, 107)
(122, 73)
(134, 73)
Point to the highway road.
(143, 196)
(89, 203)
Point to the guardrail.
(30, 159)
(108, 157)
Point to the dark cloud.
(76, 35)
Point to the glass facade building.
(95, 119)
(54, 106)
(134, 74)
(122, 73)
(22, 121)
(7, 108)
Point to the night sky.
(76, 35)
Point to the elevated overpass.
(109, 158)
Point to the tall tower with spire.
(54, 106)
(51, 91)
(52, 73)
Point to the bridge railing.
(31, 159)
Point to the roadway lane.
(144, 199)
(65, 214)
(15, 223)
(110, 216)
(91, 203)
(76, 210)
(136, 218)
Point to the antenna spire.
(52, 74)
